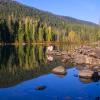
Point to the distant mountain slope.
(9, 6)
(70, 19)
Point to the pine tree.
(40, 34)
(48, 32)
(26, 29)
(20, 33)
(73, 37)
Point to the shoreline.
(47, 43)
(35, 43)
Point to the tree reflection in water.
(22, 63)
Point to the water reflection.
(31, 64)
(19, 63)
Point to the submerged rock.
(40, 87)
(59, 70)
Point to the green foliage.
(73, 37)
(49, 34)
(19, 23)
(20, 33)
(40, 32)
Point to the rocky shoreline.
(86, 58)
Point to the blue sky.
(88, 10)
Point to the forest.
(23, 24)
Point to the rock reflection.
(50, 58)
(61, 76)
(85, 81)
(20, 63)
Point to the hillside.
(10, 6)
(62, 24)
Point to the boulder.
(85, 59)
(79, 58)
(86, 74)
(60, 70)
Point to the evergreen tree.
(73, 37)
(20, 33)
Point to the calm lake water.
(23, 68)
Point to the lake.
(23, 68)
